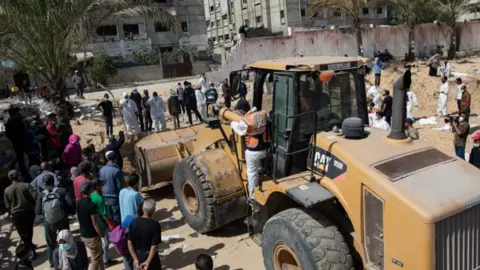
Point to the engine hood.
(424, 181)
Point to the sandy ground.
(230, 246)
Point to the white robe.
(201, 103)
(157, 111)
(130, 111)
(203, 84)
(442, 99)
(373, 93)
(412, 100)
(381, 123)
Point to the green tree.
(410, 12)
(354, 8)
(40, 35)
(449, 11)
(101, 68)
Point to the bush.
(101, 68)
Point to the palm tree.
(409, 10)
(353, 7)
(40, 35)
(449, 11)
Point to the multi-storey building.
(120, 38)
(273, 17)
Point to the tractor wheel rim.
(190, 198)
(284, 258)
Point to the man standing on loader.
(254, 127)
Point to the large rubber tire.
(314, 240)
(186, 173)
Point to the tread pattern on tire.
(210, 225)
(325, 240)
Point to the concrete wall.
(343, 41)
(137, 74)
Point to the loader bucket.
(157, 154)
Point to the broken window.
(259, 19)
(212, 8)
(282, 14)
(129, 29)
(227, 37)
(365, 10)
(380, 10)
(107, 30)
(224, 17)
(337, 13)
(184, 27)
(159, 27)
(302, 12)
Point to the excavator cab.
(306, 100)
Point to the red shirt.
(54, 136)
(77, 181)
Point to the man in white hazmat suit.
(411, 101)
(130, 111)
(442, 98)
(157, 110)
(373, 94)
(380, 121)
(201, 102)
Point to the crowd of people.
(77, 184)
(380, 109)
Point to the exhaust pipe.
(399, 110)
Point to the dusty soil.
(230, 246)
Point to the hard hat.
(125, 95)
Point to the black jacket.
(15, 131)
(174, 107)
(189, 97)
(475, 157)
(115, 146)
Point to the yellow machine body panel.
(416, 187)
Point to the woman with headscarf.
(71, 254)
(72, 155)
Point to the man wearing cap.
(52, 228)
(90, 229)
(461, 129)
(130, 112)
(20, 201)
(112, 178)
(410, 131)
(38, 183)
(78, 83)
(475, 153)
(135, 96)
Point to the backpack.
(52, 206)
(118, 238)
